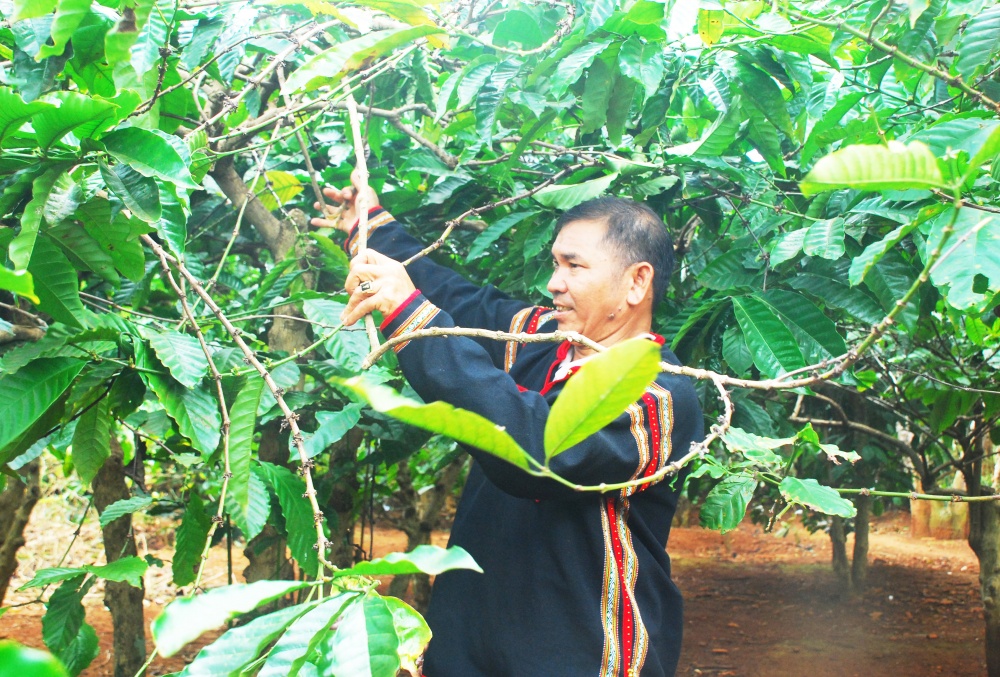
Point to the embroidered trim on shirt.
(351, 246)
(626, 640)
(420, 318)
(527, 321)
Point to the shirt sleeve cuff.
(377, 216)
(412, 315)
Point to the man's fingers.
(358, 306)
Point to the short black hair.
(636, 233)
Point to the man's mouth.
(561, 308)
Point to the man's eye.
(555, 264)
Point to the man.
(573, 583)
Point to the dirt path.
(756, 604)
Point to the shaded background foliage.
(189, 123)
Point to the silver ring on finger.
(366, 287)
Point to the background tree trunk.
(838, 538)
(123, 600)
(16, 503)
(859, 563)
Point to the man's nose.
(557, 284)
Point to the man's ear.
(641, 282)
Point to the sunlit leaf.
(891, 167)
(812, 494)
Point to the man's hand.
(347, 199)
(375, 282)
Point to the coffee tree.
(827, 171)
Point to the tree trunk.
(984, 538)
(838, 538)
(16, 503)
(123, 600)
(418, 520)
(859, 563)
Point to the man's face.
(588, 283)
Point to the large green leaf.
(153, 36)
(117, 236)
(836, 294)
(365, 643)
(92, 440)
(299, 519)
(491, 97)
(243, 419)
(120, 39)
(891, 167)
(71, 112)
(812, 494)
(764, 137)
(172, 224)
(56, 284)
(80, 652)
(775, 350)
(126, 569)
(596, 95)
(236, 648)
(64, 614)
(873, 253)
(126, 506)
(190, 541)
(759, 87)
(439, 417)
(83, 250)
(717, 138)
(979, 43)
(22, 247)
(331, 427)
(302, 637)
(972, 255)
(427, 559)
(600, 392)
(139, 193)
(27, 394)
(14, 112)
(643, 63)
(17, 661)
(327, 67)
(32, 9)
(252, 520)
(572, 66)
(185, 619)
(149, 154)
(825, 238)
(180, 353)
(195, 410)
(817, 335)
(726, 503)
(565, 197)
(69, 14)
(411, 632)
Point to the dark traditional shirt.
(573, 583)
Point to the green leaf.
(494, 232)
(764, 137)
(600, 392)
(717, 139)
(81, 652)
(120, 39)
(979, 44)
(243, 419)
(125, 506)
(236, 648)
(71, 112)
(735, 351)
(492, 96)
(195, 410)
(726, 503)
(252, 520)
(365, 642)
(643, 63)
(172, 224)
(565, 197)
(18, 282)
(474, 78)
(836, 294)
(117, 236)
(738, 439)
(32, 9)
(83, 250)
(775, 350)
(971, 254)
(284, 185)
(14, 112)
(64, 614)
(180, 353)
(153, 36)
(69, 14)
(190, 542)
(184, 620)
(812, 494)
(92, 440)
(832, 451)
(787, 246)
(299, 522)
(427, 559)
(127, 569)
(439, 417)
(22, 247)
(56, 284)
(596, 95)
(303, 636)
(27, 394)
(332, 426)
(572, 66)
(19, 661)
(138, 192)
(760, 88)
(149, 154)
(892, 167)
(327, 67)
(46, 577)
(817, 335)
(873, 253)
(411, 631)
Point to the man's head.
(613, 260)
